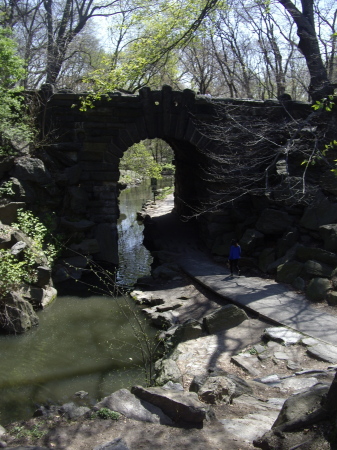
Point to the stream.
(82, 342)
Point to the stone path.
(271, 300)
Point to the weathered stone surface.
(317, 269)
(250, 240)
(282, 334)
(273, 221)
(32, 169)
(226, 317)
(126, 403)
(162, 320)
(191, 329)
(216, 390)
(317, 254)
(43, 276)
(288, 272)
(177, 405)
(116, 444)
(248, 363)
(329, 235)
(324, 352)
(318, 289)
(16, 314)
(286, 242)
(167, 370)
(332, 298)
(8, 213)
(299, 284)
(147, 298)
(301, 403)
(18, 248)
(250, 427)
(321, 213)
(72, 411)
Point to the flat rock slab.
(248, 363)
(267, 297)
(284, 335)
(273, 403)
(251, 426)
(126, 403)
(324, 352)
(196, 356)
(116, 444)
(179, 406)
(223, 318)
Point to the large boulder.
(8, 212)
(317, 269)
(318, 289)
(179, 406)
(167, 370)
(329, 235)
(126, 403)
(16, 314)
(288, 272)
(273, 221)
(32, 169)
(224, 318)
(250, 240)
(322, 212)
(301, 404)
(304, 253)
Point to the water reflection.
(82, 343)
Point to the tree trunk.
(320, 85)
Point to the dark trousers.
(234, 264)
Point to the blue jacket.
(235, 252)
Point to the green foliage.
(140, 160)
(156, 30)
(106, 413)
(6, 189)
(165, 192)
(12, 272)
(39, 233)
(34, 433)
(325, 104)
(13, 123)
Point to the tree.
(13, 125)
(320, 84)
(48, 29)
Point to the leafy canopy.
(13, 125)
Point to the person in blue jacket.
(234, 256)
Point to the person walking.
(234, 256)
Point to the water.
(82, 343)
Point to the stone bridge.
(89, 145)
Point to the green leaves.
(13, 124)
(326, 104)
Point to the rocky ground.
(224, 385)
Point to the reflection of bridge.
(94, 142)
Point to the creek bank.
(237, 400)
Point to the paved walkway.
(268, 298)
(271, 300)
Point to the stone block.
(304, 253)
(317, 269)
(286, 273)
(318, 289)
(273, 221)
(223, 318)
(329, 235)
(8, 213)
